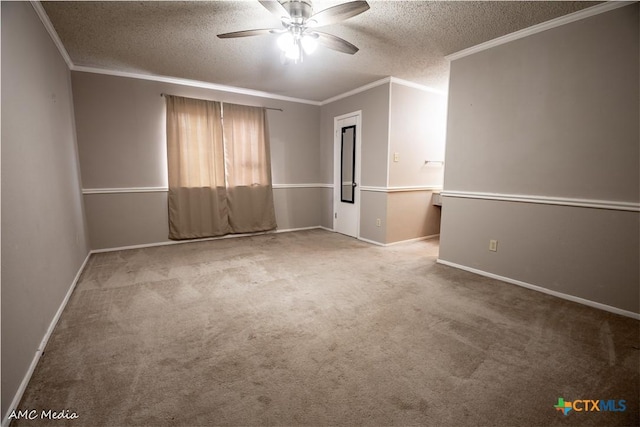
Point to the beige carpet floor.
(315, 328)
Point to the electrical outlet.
(378, 222)
(493, 245)
(396, 157)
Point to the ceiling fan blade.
(338, 13)
(275, 8)
(246, 33)
(336, 43)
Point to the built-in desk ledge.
(436, 198)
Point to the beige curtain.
(195, 153)
(219, 169)
(248, 167)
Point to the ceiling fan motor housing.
(299, 10)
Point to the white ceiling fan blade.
(275, 8)
(335, 43)
(338, 13)
(246, 33)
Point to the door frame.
(337, 150)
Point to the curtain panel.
(219, 169)
(248, 167)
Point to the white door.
(346, 199)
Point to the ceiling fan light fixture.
(289, 44)
(286, 41)
(309, 44)
(297, 35)
(294, 53)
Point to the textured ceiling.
(404, 39)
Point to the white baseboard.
(568, 297)
(288, 230)
(36, 358)
(399, 242)
(205, 239)
(417, 239)
(373, 242)
(25, 381)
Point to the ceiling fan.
(299, 35)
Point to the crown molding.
(388, 79)
(192, 83)
(416, 86)
(538, 28)
(582, 14)
(42, 14)
(44, 18)
(356, 90)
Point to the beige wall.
(411, 215)
(553, 114)
(43, 232)
(417, 132)
(121, 141)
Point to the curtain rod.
(266, 108)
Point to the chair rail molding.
(166, 189)
(401, 189)
(545, 200)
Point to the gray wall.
(43, 231)
(373, 204)
(121, 124)
(553, 114)
(121, 140)
(374, 104)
